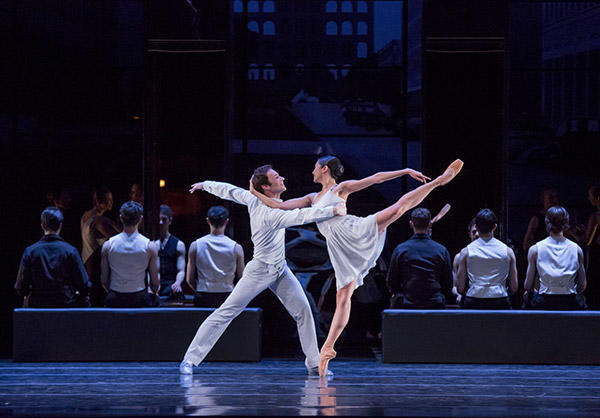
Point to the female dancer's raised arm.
(298, 203)
(348, 187)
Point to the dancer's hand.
(340, 209)
(176, 288)
(197, 186)
(251, 187)
(417, 175)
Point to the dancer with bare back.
(354, 243)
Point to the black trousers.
(92, 267)
(542, 301)
(141, 299)
(209, 300)
(486, 303)
(399, 302)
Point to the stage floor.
(281, 387)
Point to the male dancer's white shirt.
(267, 224)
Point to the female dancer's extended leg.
(411, 199)
(384, 219)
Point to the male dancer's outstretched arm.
(277, 218)
(225, 191)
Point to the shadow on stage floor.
(281, 387)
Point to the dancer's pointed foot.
(451, 172)
(186, 367)
(325, 355)
(314, 372)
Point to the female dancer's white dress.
(353, 243)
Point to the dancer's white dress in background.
(353, 243)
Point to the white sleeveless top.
(215, 263)
(557, 266)
(488, 265)
(353, 243)
(128, 260)
(88, 239)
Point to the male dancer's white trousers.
(257, 277)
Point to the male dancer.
(267, 269)
(171, 258)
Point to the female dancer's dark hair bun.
(336, 169)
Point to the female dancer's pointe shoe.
(451, 172)
(324, 357)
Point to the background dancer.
(126, 260)
(559, 265)
(355, 243)
(267, 269)
(171, 258)
(214, 261)
(95, 230)
(488, 266)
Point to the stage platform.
(281, 387)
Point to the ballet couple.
(353, 244)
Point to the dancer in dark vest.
(171, 259)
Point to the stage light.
(136, 117)
(162, 183)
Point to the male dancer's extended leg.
(290, 293)
(253, 282)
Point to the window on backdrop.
(331, 28)
(346, 28)
(253, 7)
(238, 6)
(268, 7)
(269, 28)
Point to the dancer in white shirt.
(354, 243)
(559, 264)
(267, 269)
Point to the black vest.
(168, 262)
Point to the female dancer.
(354, 243)
(95, 230)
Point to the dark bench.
(469, 336)
(145, 334)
